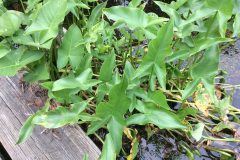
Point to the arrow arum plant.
(120, 67)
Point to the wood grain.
(67, 143)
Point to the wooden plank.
(67, 143)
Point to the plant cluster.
(117, 68)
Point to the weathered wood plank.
(67, 143)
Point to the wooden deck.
(68, 143)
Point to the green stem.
(22, 6)
(221, 139)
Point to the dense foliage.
(120, 67)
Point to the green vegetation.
(118, 68)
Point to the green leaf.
(96, 14)
(68, 52)
(190, 88)
(45, 24)
(160, 117)
(26, 130)
(197, 131)
(159, 99)
(223, 10)
(39, 72)
(31, 40)
(199, 45)
(133, 17)
(173, 14)
(177, 4)
(95, 125)
(31, 4)
(116, 131)
(10, 22)
(107, 68)
(4, 50)
(72, 7)
(159, 49)
(60, 116)
(236, 25)
(206, 76)
(117, 105)
(108, 152)
(134, 3)
(17, 59)
(83, 82)
(115, 108)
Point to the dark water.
(230, 62)
(159, 147)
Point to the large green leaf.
(206, 76)
(45, 24)
(69, 51)
(160, 117)
(10, 22)
(17, 59)
(31, 40)
(112, 113)
(133, 17)
(27, 128)
(51, 119)
(83, 82)
(159, 49)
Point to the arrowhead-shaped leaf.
(160, 117)
(69, 51)
(45, 26)
(112, 113)
(133, 17)
(17, 59)
(159, 49)
(199, 73)
(83, 82)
